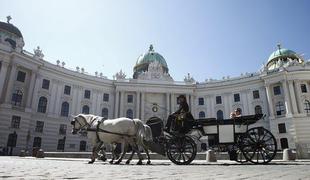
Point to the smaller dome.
(10, 28)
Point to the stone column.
(249, 100)
(74, 100)
(98, 101)
(287, 99)
(172, 103)
(167, 104)
(298, 96)
(245, 103)
(137, 114)
(293, 97)
(30, 90)
(121, 108)
(53, 96)
(142, 106)
(226, 105)
(58, 98)
(34, 103)
(191, 102)
(3, 72)
(12, 79)
(116, 105)
(79, 99)
(93, 101)
(212, 103)
(269, 99)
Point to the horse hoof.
(127, 162)
(139, 163)
(117, 162)
(148, 162)
(91, 162)
(111, 162)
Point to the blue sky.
(209, 39)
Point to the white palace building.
(38, 97)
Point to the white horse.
(121, 130)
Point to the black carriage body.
(226, 131)
(242, 143)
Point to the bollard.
(211, 157)
(22, 153)
(40, 153)
(288, 155)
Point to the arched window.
(17, 97)
(65, 109)
(129, 114)
(219, 115)
(105, 113)
(42, 104)
(202, 114)
(307, 107)
(258, 109)
(280, 108)
(284, 143)
(82, 145)
(37, 142)
(85, 109)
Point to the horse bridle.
(81, 126)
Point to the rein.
(98, 129)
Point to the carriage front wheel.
(181, 150)
(259, 145)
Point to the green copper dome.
(147, 58)
(282, 53)
(282, 57)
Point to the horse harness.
(98, 129)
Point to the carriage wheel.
(239, 157)
(181, 150)
(259, 145)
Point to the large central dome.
(147, 58)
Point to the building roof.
(10, 28)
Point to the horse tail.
(143, 133)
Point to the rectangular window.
(237, 97)
(87, 94)
(39, 126)
(106, 97)
(282, 128)
(15, 122)
(130, 98)
(62, 129)
(218, 100)
(67, 90)
(45, 84)
(276, 90)
(21, 76)
(256, 94)
(201, 101)
(303, 88)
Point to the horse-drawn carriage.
(256, 144)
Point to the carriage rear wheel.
(259, 145)
(181, 150)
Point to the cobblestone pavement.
(64, 168)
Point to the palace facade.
(38, 97)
